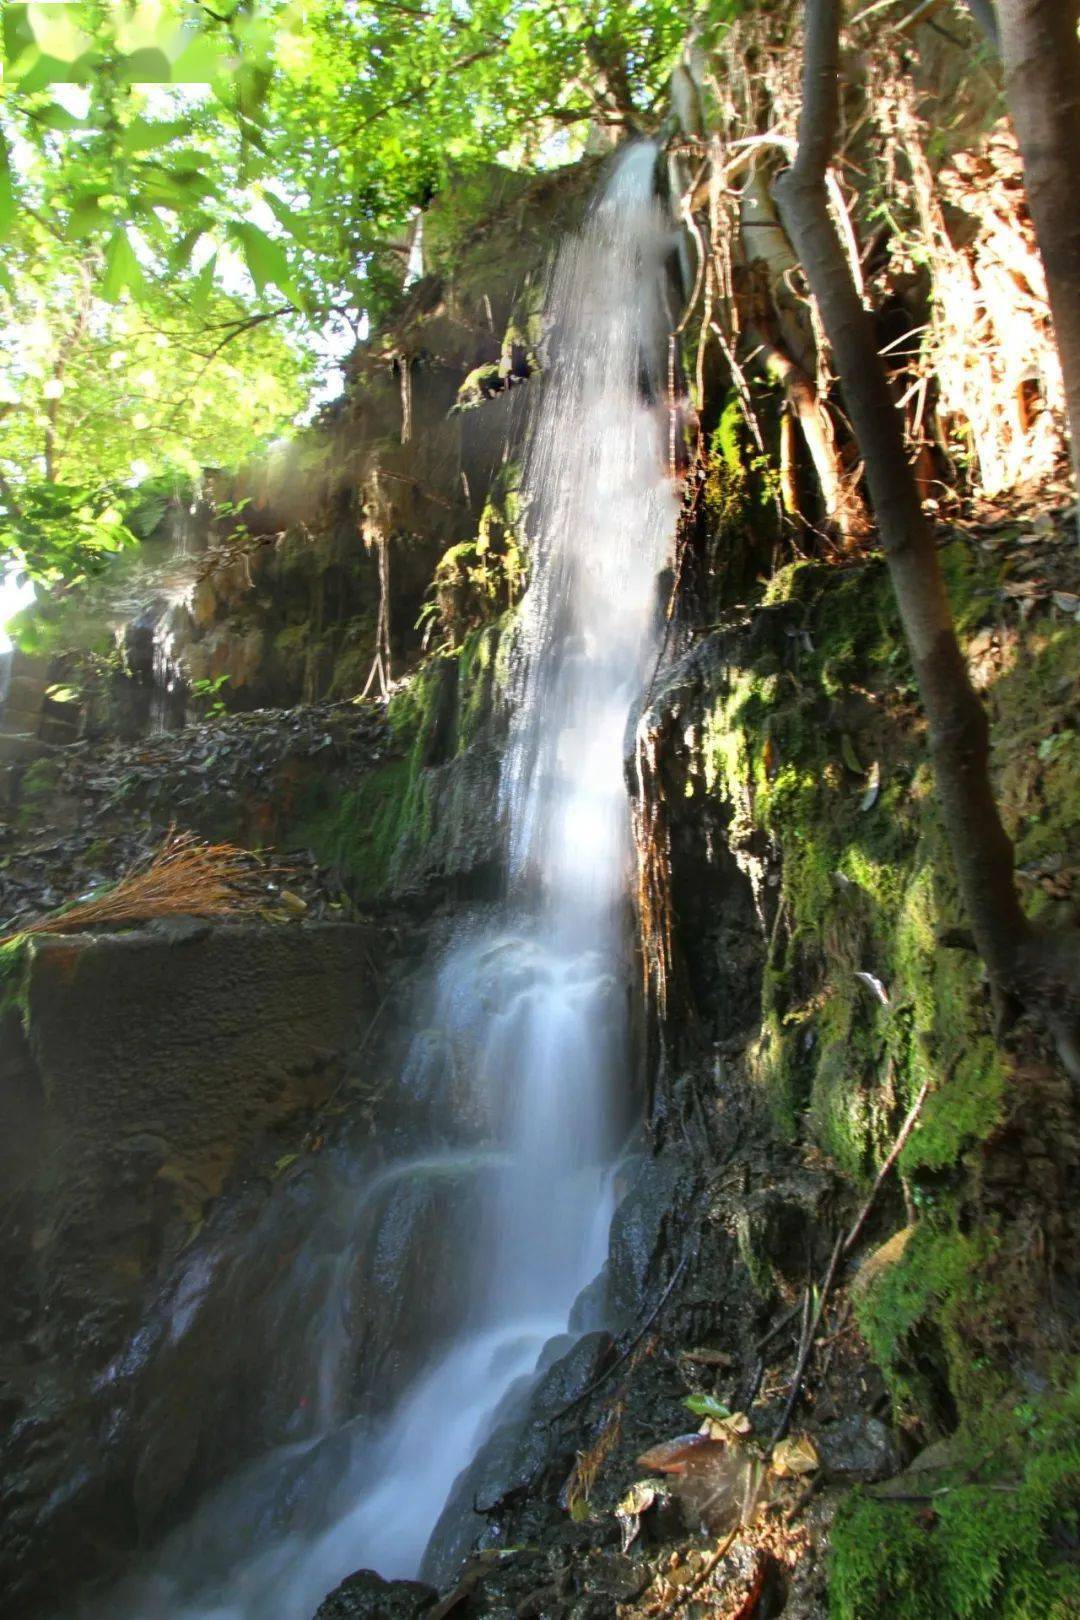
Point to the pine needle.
(185, 878)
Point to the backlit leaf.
(7, 191)
(264, 257)
(122, 271)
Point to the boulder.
(366, 1596)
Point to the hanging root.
(185, 878)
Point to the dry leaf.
(687, 1452)
(727, 1428)
(708, 1358)
(638, 1500)
(794, 1456)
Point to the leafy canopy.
(195, 198)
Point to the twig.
(807, 1344)
(778, 1327)
(893, 1155)
(597, 1383)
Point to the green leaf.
(850, 757)
(180, 256)
(56, 117)
(251, 84)
(707, 1406)
(121, 269)
(146, 66)
(7, 191)
(294, 220)
(201, 62)
(144, 135)
(202, 286)
(18, 34)
(173, 188)
(264, 257)
(87, 216)
(55, 31)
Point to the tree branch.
(1039, 969)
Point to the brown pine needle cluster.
(185, 878)
(589, 1462)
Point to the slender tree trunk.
(1040, 49)
(983, 13)
(1032, 967)
(842, 504)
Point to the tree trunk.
(1020, 962)
(983, 13)
(1040, 49)
(843, 507)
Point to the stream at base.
(535, 1008)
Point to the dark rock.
(524, 1443)
(138, 1076)
(638, 1232)
(777, 1230)
(590, 1309)
(857, 1448)
(366, 1596)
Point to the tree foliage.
(196, 197)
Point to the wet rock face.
(366, 1596)
(138, 1074)
(525, 1446)
(717, 872)
(638, 1230)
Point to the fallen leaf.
(708, 1358)
(1024, 587)
(638, 1500)
(735, 1424)
(687, 1452)
(794, 1456)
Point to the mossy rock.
(988, 1538)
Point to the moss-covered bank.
(797, 734)
(428, 813)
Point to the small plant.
(207, 692)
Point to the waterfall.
(536, 1006)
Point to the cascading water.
(536, 1009)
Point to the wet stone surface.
(366, 1596)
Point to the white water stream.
(539, 1005)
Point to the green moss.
(932, 1281)
(992, 1543)
(756, 1262)
(37, 787)
(866, 880)
(377, 829)
(14, 980)
(479, 385)
(788, 742)
(358, 831)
